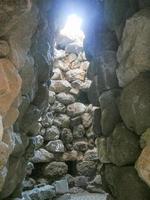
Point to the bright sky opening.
(72, 28)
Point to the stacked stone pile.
(65, 146)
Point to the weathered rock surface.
(42, 156)
(75, 74)
(55, 146)
(41, 193)
(55, 169)
(124, 183)
(135, 104)
(52, 133)
(65, 98)
(143, 165)
(75, 109)
(133, 55)
(110, 115)
(123, 146)
(86, 168)
(60, 86)
(10, 85)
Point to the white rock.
(75, 109)
(60, 86)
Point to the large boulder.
(55, 169)
(123, 146)
(125, 184)
(10, 85)
(103, 71)
(135, 104)
(60, 86)
(133, 53)
(65, 98)
(143, 165)
(110, 115)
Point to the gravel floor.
(88, 196)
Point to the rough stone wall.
(22, 58)
(119, 70)
(65, 147)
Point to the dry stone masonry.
(65, 152)
(121, 78)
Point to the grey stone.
(96, 122)
(76, 190)
(81, 181)
(110, 115)
(135, 104)
(75, 121)
(64, 197)
(86, 168)
(28, 184)
(106, 65)
(55, 169)
(52, 133)
(113, 18)
(123, 179)
(65, 98)
(61, 186)
(38, 141)
(52, 97)
(95, 189)
(41, 193)
(133, 55)
(42, 156)
(91, 155)
(55, 146)
(81, 146)
(87, 119)
(58, 107)
(75, 109)
(78, 132)
(123, 146)
(47, 120)
(62, 121)
(102, 150)
(60, 86)
(32, 115)
(67, 136)
(29, 84)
